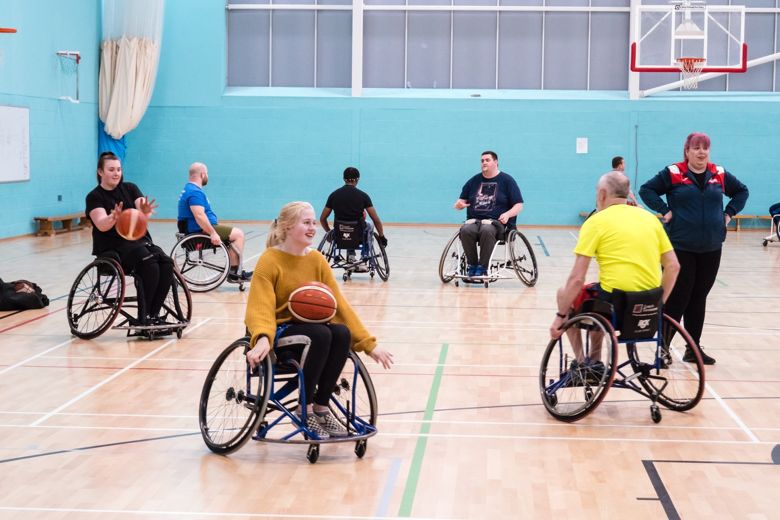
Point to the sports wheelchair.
(512, 255)
(203, 265)
(774, 212)
(342, 244)
(238, 403)
(580, 367)
(98, 297)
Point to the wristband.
(560, 315)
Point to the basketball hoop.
(8, 30)
(690, 68)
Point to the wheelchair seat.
(633, 314)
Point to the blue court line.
(387, 493)
(541, 243)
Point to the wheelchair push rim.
(203, 265)
(99, 289)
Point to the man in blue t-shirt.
(194, 207)
(493, 200)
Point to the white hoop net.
(690, 68)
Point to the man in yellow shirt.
(628, 243)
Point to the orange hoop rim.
(690, 63)
(8, 30)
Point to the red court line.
(31, 320)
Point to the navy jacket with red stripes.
(697, 223)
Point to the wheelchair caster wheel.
(552, 400)
(655, 414)
(345, 277)
(588, 393)
(486, 285)
(457, 283)
(179, 333)
(765, 242)
(360, 448)
(241, 287)
(313, 453)
(371, 274)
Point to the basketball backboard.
(689, 28)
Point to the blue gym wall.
(414, 148)
(63, 136)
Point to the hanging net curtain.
(129, 56)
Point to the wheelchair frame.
(246, 404)
(106, 294)
(655, 374)
(775, 236)
(373, 258)
(453, 265)
(194, 253)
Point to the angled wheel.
(378, 258)
(96, 298)
(523, 258)
(353, 401)
(453, 261)
(203, 265)
(576, 374)
(177, 307)
(679, 385)
(232, 402)
(328, 247)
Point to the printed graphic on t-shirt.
(486, 196)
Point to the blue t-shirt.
(193, 195)
(489, 198)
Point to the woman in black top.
(140, 257)
(695, 220)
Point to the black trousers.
(689, 296)
(154, 268)
(325, 360)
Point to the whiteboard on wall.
(14, 144)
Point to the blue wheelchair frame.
(269, 398)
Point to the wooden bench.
(737, 219)
(70, 222)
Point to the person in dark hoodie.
(696, 221)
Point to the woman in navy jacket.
(695, 220)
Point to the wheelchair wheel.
(177, 307)
(96, 298)
(453, 261)
(232, 402)
(678, 385)
(328, 247)
(354, 393)
(573, 379)
(378, 260)
(203, 265)
(523, 258)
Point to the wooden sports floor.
(108, 428)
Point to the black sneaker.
(690, 357)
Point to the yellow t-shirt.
(276, 275)
(627, 243)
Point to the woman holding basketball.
(288, 262)
(141, 257)
(695, 221)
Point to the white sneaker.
(330, 424)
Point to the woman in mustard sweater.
(288, 262)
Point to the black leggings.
(325, 360)
(154, 268)
(689, 296)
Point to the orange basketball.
(131, 224)
(312, 302)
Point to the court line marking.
(25, 361)
(541, 244)
(148, 512)
(413, 477)
(387, 492)
(26, 322)
(115, 375)
(731, 413)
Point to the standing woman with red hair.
(696, 220)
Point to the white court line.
(732, 414)
(20, 363)
(148, 512)
(114, 376)
(573, 235)
(572, 439)
(101, 428)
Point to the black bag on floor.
(21, 295)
